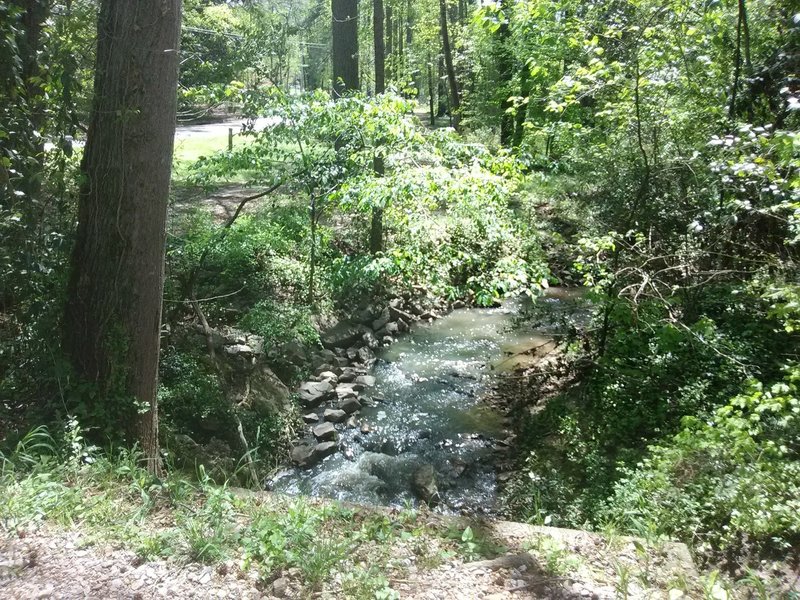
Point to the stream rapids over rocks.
(424, 431)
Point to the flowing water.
(427, 410)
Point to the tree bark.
(522, 111)
(505, 74)
(113, 312)
(376, 226)
(441, 94)
(431, 92)
(389, 36)
(455, 98)
(344, 45)
(379, 46)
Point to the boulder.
(365, 428)
(347, 376)
(365, 380)
(402, 325)
(344, 334)
(259, 388)
(398, 314)
(427, 316)
(423, 483)
(351, 423)
(311, 418)
(294, 352)
(365, 316)
(325, 449)
(390, 328)
(366, 357)
(381, 321)
(458, 304)
(416, 309)
(323, 357)
(388, 340)
(324, 432)
(328, 376)
(370, 340)
(350, 404)
(323, 367)
(343, 390)
(302, 455)
(239, 349)
(334, 415)
(305, 455)
(314, 393)
(352, 353)
(340, 362)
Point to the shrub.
(728, 484)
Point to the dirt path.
(535, 562)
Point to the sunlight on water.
(431, 381)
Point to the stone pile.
(341, 382)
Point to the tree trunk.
(345, 45)
(505, 74)
(441, 93)
(379, 46)
(455, 98)
(522, 111)
(389, 41)
(376, 227)
(34, 14)
(113, 312)
(431, 92)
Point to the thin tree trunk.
(344, 45)
(455, 98)
(442, 89)
(742, 38)
(113, 312)
(431, 92)
(389, 42)
(504, 66)
(34, 15)
(522, 111)
(379, 46)
(376, 226)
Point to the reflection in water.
(430, 381)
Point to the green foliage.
(190, 395)
(729, 483)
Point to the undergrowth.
(65, 483)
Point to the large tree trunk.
(113, 313)
(376, 226)
(455, 97)
(345, 45)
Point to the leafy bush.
(190, 396)
(727, 484)
(654, 372)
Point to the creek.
(428, 409)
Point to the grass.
(347, 552)
(187, 151)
